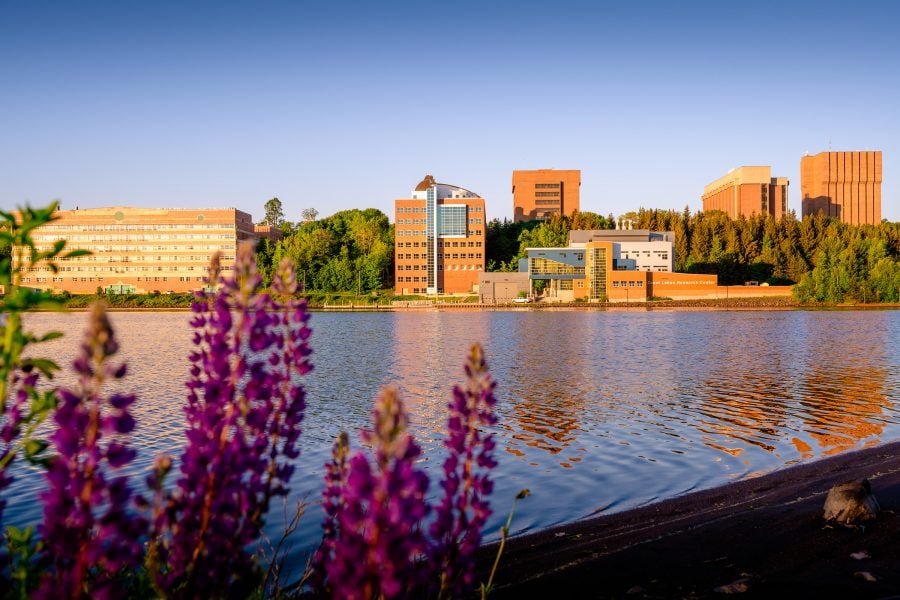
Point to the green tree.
(274, 213)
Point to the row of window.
(162, 248)
(663, 254)
(142, 259)
(546, 194)
(74, 237)
(639, 284)
(546, 186)
(58, 279)
(425, 222)
(153, 227)
(421, 209)
(408, 256)
(424, 278)
(416, 233)
(440, 244)
(121, 269)
(547, 202)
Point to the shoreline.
(763, 536)
(761, 304)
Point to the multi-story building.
(139, 250)
(596, 271)
(633, 249)
(747, 191)
(600, 264)
(543, 193)
(439, 236)
(845, 185)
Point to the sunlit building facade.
(139, 250)
(439, 240)
(746, 191)
(542, 193)
(597, 272)
(844, 185)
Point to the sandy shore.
(759, 538)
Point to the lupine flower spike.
(89, 536)
(244, 409)
(379, 538)
(464, 508)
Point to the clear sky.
(335, 105)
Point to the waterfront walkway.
(759, 538)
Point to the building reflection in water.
(805, 386)
(845, 385)
(547, 395)
(428, 343)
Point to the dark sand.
(763, 537)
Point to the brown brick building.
(542, 193)
(439, 236)
(747, 191)
(845, 185)
(139, 250)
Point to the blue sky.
(337, 105)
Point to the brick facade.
(845, 185)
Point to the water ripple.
(599, 411)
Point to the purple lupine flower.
(461, 515)
(332, 505)
(10, 427)
(244, 409)
(88, 533)
(379, 540)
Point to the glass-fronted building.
(439, 240)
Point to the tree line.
(830, 261)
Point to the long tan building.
(845, 185)
(543, 193)
(139, 250)
(747, 191)
(439, 240)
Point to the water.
(600, 411)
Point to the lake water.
(599, 411)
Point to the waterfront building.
(596, 267)
(439, 239)
(747, 191)
(595, 272)
(139, 250)
(844, 185)
(648, 250)
(542, 193)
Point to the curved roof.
(429, 181)
(426, 183)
